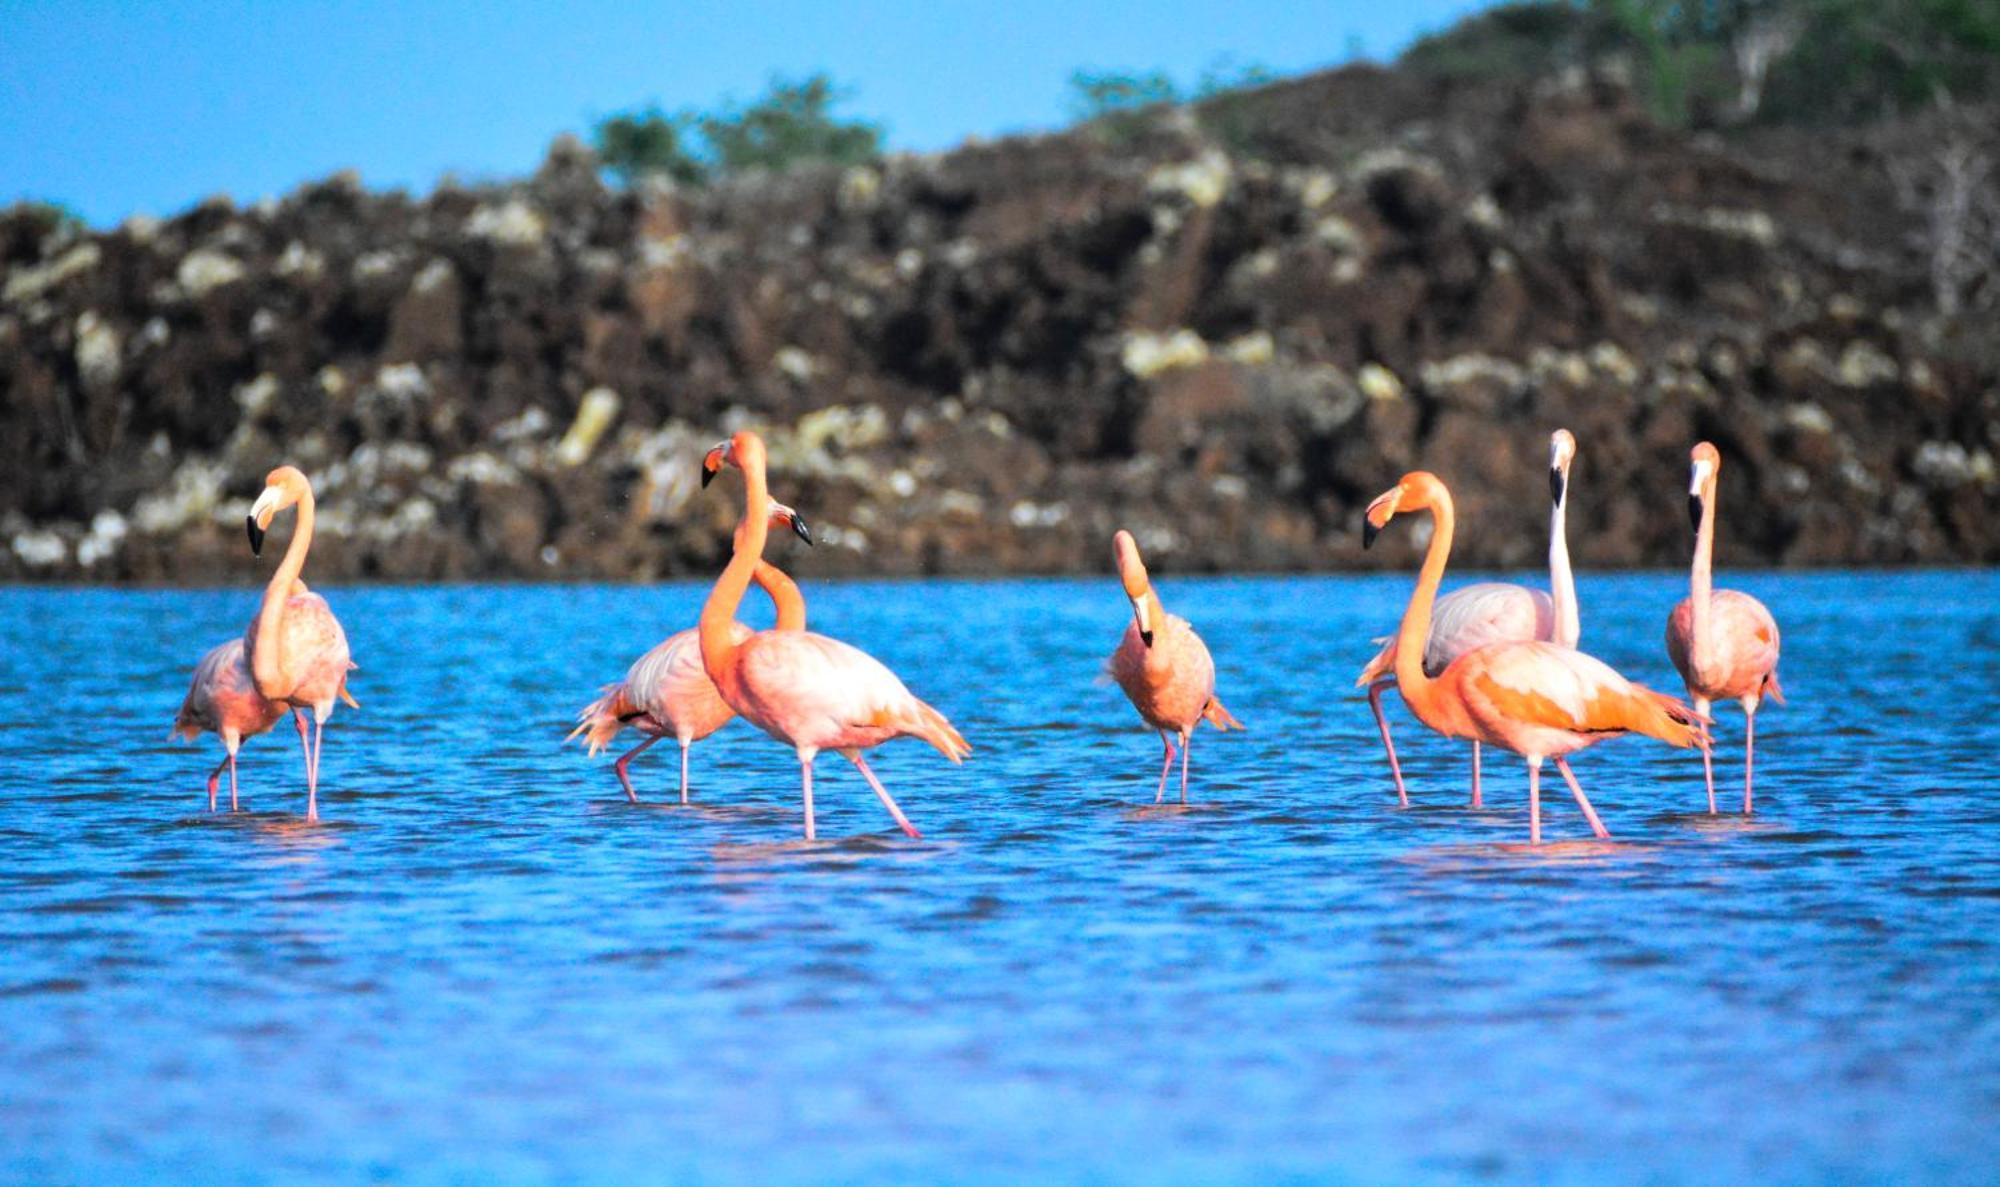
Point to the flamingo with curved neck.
(296, 648)
(1491, 612)
(1163, 666)
(223, 698)
(806, 690)
(1723, 642)
(667, 694)
(1539, 699)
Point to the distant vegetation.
(791, 124)
(1119, 103)
(1739, 61)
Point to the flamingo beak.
(1141, 611)
(1368, 533)
(1146, 637)
(256, 535)
(711, 463)
(1694, 512)
(800, 529)
(1378, 515)
(1557, 483)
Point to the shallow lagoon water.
(485, 965)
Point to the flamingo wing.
(809, 689)
(1538, 684)
(1489, 612)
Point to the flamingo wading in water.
(1724, 642)
(1491, 612)
(1163, 666)
(223, 698)
(296, 650)
(667, 694)
(806, 690)
(1538, 699)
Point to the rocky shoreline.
(984, 361)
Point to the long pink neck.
(1562, 583)
(1416, 687)
(718, 647)
(268, 666)
(785, 596)
(1700, 584)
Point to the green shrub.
(792, 124)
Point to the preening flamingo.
(667, 694)
(806, 690)
(1538, 699)
(296, 650)
(223, 698)
(1491, 612)
(1163, 666)
(1724, 642)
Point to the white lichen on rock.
(41, 548)
(26, 284)
(205, 270)
(512, 222)
(1863, 364)
(1146, 353)
(1378, 382)
(594, 415)
(1203, 181)
(107, 534)
(97, 352)
(195, 494)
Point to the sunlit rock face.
(985, 361)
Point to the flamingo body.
(1470, 617)
(1745, 637)
(223, 699)
(312, 653)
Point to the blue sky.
(116, 108)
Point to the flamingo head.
(742, 444)
(1562, 451)
(1417, 491)
(1705, 461)
(283, 487)
(784, 517)
(1138, 587)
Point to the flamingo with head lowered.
(1724, 642)
(223, 698)
(806, 690)
(1492, 612)
(295, 647)
(1163, 666)
(1538, 699)
(667, 694)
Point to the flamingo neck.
(785, 596)
(1417, 689)
(267, 664)
(1700, 582)
(1562, 583)
(718, 648)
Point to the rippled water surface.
(486, 965)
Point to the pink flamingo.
(1724, 642)
(1491, 612)
(667, 694)
(224, 699)
(1538, 699)
(295, 648)
(806, 690)
(1163, 666)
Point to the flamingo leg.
(1707, 759)
(305, 744)
(1535, 800)
(232, 783)
(1576, 789)
(1166, 767)
(882, 793)
(1382, 724)
(806, 783)
(312, 777)
(1477, 800)
(1749, 754)
(685, 742)
(214, 777)
(1187, 748)
(625, 780)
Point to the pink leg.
(1749, 754)
(1382, 723)
(214, 777)
(1701, 705)
(1477, 801)
(232, 782)
(1166, 767)
(1187, 748)
(305, 744)
(1576, 789)
(806, 781)
(882, 793)
(312, 778)
(1535, 801)
(624, 779)
(684, 771)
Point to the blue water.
(486, 966)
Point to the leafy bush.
(641, 143)
(792, 124)
(1119, 103)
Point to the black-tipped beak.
(256, 535)
(800, 530)
(1146, 637)
(1368, 533)
(1556, 483)
(707, 476)
(1694, 512)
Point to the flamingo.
(1163, 666)
(223, 698)
(667, 694)
(1491, 612)
(295, 648)
(806, 690)
(1536, 698)
(1723, 641)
